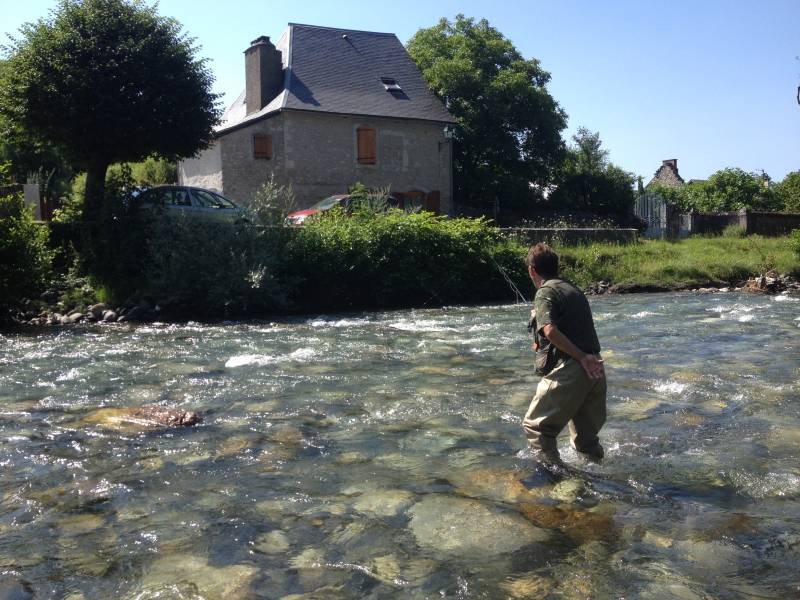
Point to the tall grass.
(695, 261)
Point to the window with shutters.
(262, 146)
(365, 139)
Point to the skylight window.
(390, 84)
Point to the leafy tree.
(508, 137)
(107, 81)
(24, 255)
(589, 182)
(788, 192)
(726, 190)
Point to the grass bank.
(693, 262)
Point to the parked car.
(194, 202)
(298, 217)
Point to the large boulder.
(141, 418)
(456, 526)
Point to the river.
(380, 455)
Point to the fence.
(751, 222)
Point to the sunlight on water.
(381, 455)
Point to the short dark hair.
(542, 258)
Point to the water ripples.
(330, 446)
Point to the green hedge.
(398, 259)
(367, 260)
(25, 258)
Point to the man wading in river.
(573, 385)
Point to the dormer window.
(390, 84)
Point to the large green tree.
(507, 142)
(588, 182)
(726, 190)
(107, 81)
(788, 192)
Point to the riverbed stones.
(526, 586)
(461, 527)
(209, 581)
(274, 542)
(383, 503)
(351, 458)
(581, 525)
(141, 418)
(493, 484)
(13, 588)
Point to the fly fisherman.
(573, 385)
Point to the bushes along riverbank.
(177, 269)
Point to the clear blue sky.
(711, 83)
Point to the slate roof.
(339, 71)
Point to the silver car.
(192, 202)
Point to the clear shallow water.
(380, 455)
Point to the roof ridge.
(342, 29)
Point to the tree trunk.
(95, 190)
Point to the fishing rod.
(519, 295)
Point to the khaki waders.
(567, 395)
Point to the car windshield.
(328, 203)
(210, 200)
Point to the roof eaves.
(368, 116)
(342, 30)
(248, 121)
(287, 74)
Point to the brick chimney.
(671, 162)
(263, 74)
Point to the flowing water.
(380, 455)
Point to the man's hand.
(593, 365)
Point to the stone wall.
(316, 153)
(243, 174)
(321, 156)
(761, 223)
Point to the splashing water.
(381, 455)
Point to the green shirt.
(560, 303)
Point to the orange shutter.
(366, 145)
(262, 146)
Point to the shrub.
(794, 242)
(213, 267)
(734, 231)
(25, 258)
(272, 202)
(397, 259)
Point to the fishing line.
(519, 296)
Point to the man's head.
(542, 263)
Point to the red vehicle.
(298, 217)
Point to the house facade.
(324, 108)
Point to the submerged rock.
(141, 418)
(460, 527)
(274, 542)
(383, 503)
(581, 525)
(188, 571)
(526, 586)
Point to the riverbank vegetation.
(694, 262)
(157, 267)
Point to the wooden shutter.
(366, 145)
(262, 146)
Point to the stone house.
(667, 175)
(324, 108)
(662, 218)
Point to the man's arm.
(591, 363)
